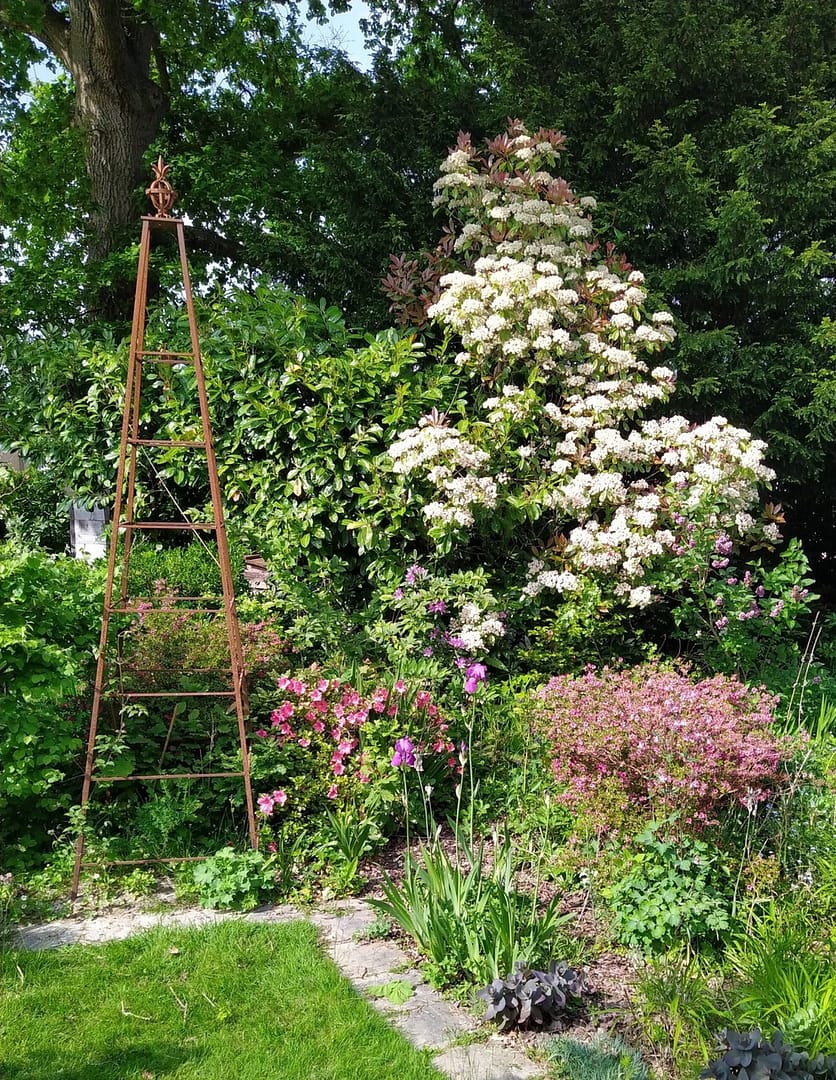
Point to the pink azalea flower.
(265, 805)
(332, 791)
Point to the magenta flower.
(437, 607)
(404, 753)
(475, 674)
(265, 805)
(279, 797)
(332, 792)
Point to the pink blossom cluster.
(329, 716)
(653, 741)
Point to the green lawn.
(234, 1001)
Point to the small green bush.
(191, 569)
(231, 879)
(604, 1058)
(670, 893)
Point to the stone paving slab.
(486, 1061)
(426, 1019)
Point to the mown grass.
(235, 1001)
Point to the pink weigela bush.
(649, 741)
(326, 739)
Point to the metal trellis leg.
(125, 525)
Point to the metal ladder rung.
(162, 776)
(129, 694)
(147, 862)
(167, 442)
(165, 356)
(170, 611)
(168, 525)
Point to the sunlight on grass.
(230, 1001)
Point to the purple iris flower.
(404, 753)
(474, 674)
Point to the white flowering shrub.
(566, 446)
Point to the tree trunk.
(118, 108)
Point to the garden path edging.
(426, 1019)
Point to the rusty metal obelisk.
(111, 692)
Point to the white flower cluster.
(449, 461)
(542, 577)
(477, 630)
(513, 404)
(565, 338)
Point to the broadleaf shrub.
(532, 999)
(648, 741)
(49, 625)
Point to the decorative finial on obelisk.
(160, 192)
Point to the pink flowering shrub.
(650, 742)
(327, 743)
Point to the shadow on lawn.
(133, 1062)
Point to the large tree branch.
(213, 243)
(47, 25)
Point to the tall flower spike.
(160, 191)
